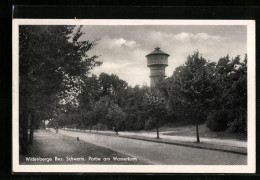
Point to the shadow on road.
(52, 148)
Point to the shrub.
(94, 127)
(218, 120)
(90, 127)
(238, 121)
(139, 123)
(149, 124)
(101, 127)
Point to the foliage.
(217, 120)
(238, 122)
(149, 124)
(192, 88)
(90, 92)
(232, 91)
(196, 89)
(135, 107)
(98, 93)
(52, 62)
(100, 108)
(116, 116)
(101, 126)
(156, 103)
(111, 84)
(156, 106)
(199, 87)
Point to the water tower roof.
(157, 51)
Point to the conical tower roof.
(157, 51)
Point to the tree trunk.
(32, 116)
(197, 133)
(157, 128)
(24, 135)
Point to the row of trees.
(52, 64)
(55, 84)
(199, 91)
(104, 102)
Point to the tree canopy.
(52, 62)
(196, 89)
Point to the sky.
(122, 48)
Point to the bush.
(149, 124)
(90, 127)
(238, 122)
(101, 127)
(94, 127)
(218, 120)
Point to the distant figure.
(77, 138)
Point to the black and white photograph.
(174, 96)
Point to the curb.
(189, 145)
(235, 150)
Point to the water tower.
(157, 61)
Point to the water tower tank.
(157, 61)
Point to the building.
(157, 61)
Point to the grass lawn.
(67, 149)
(204, 131)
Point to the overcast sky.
(122, 49)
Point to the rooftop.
(157, 51)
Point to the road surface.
(225, 142)
(159, 153)
(53, 148)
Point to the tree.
(116, 116)
(132, 101)
(110, 84)
(156, 106)
(89, 119)
(90, 92)
(192, 88)
(96, 95)
(231, 78)
(52, 60)
(100, 110)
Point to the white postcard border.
(251, 157)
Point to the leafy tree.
(149, 123)
(231, 77)
(132, 101)
(110, 84)
(156, 106)
(52, 61)
(116, 117)
(100, 110)
(90, 92)
(192, 88)
(89, 119)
